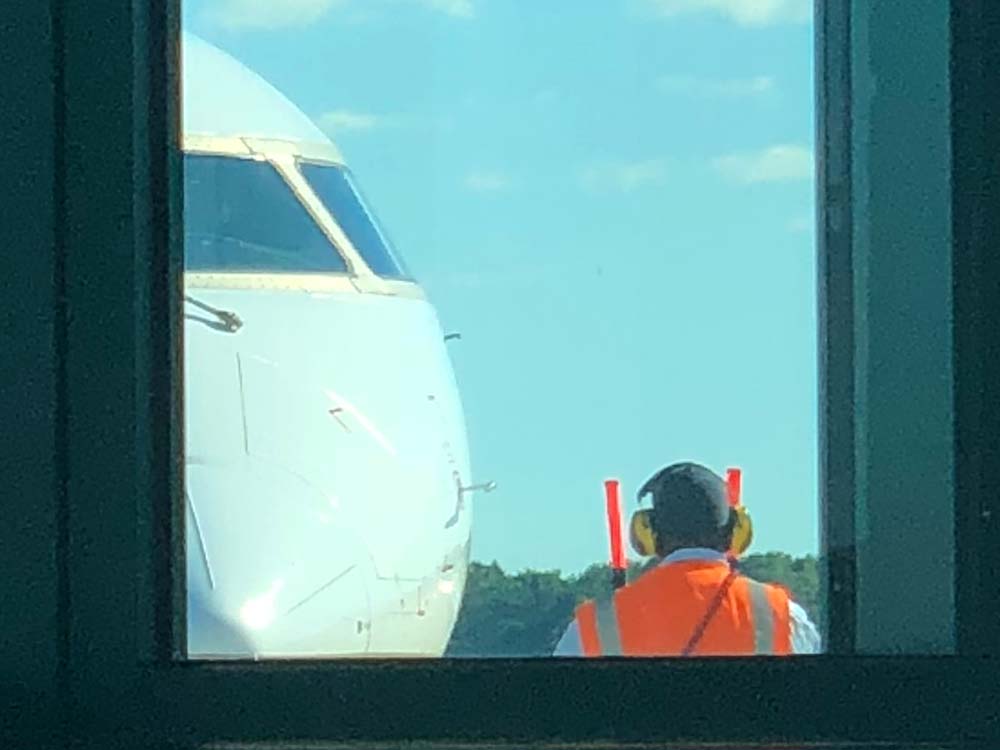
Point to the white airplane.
(326, 456)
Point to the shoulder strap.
(709, 614)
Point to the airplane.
(327, 463)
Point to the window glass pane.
(337, 189)
(240, 215)
(608, 212)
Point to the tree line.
(524, 614)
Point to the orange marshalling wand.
(734, 478)
(619, 565)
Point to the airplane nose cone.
(210, 633)
(272, 571)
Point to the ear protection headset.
(642, 531)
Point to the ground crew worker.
(693, 602)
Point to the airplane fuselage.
(326, 452)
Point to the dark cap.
(689, 501)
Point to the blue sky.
(613, 203)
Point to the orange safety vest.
(658, 615)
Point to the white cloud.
(457, 8)
(486, 182)
(716, 87)
(545, 96)
(743, 12)
(343, 121)
(781, 163)
(624, 176)
(802, 224)
(346, 121)
(268, 14)
(275, 14)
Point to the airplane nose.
(272, 572)
(210, 633)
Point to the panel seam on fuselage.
(243, 405)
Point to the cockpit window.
(241, 216)
(335, 186)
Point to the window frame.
(114, 558)
(305, 161)
(307, 209)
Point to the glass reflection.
(608, 277)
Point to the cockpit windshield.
(241, 216)
(336, 187)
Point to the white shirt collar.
(693, 553)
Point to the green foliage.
(511, 615)
(525, 614)
(800, 575)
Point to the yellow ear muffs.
(742, 532)
(641, 533)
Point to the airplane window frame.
(119, 672)
(310, 217)
(404, 274)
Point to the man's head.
(690, 508)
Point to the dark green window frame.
(91, 592)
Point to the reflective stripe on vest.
(763, 618)
(607, 628)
